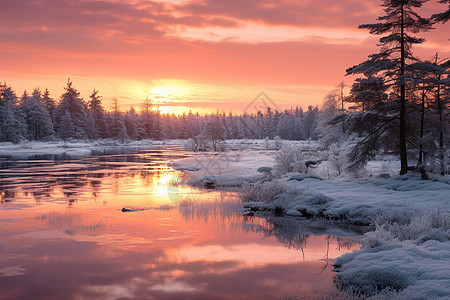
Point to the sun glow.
(165, 91)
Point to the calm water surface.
(63, 236)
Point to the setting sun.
(168, 91)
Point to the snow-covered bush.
(262, 191)
(278, 143)
(266, 143)
(415, 227)
(198, 143)
(404, 253)
(289, 159)
(337, 157)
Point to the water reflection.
(63, 235)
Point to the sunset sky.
(200, 54)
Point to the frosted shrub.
(189, 145)
(438, 219)
(278, 143)
(337, 157)
(262, 191)
(411, 226)
(289, 159)
(386, 168)
(378, 237)
(396, 216)
(198, 143)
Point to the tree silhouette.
(390, 63)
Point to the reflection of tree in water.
(6, 195)
(222, 210)
(294, 233)
(286, 230)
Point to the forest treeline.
(37, 116)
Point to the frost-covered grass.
(358, 201)
(262, 191)
(408, 254)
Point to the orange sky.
(199, 54)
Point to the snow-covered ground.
(247, 161)
(228, 169)
(407, 252)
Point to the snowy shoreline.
(404, 256)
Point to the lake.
(63, 235)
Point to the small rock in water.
(127, 209)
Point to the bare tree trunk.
(441, 131)
(422, 122)
(403, 153)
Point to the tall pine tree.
(13, 127)
(390, 63)
(73, 103)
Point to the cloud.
(318, 13)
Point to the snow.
(416, 271)
(226, 169)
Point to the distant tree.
(194, 126)
(122, 131)
(48, 101)
(147, 116)
(290, 127)
(214, 131)
(390, 63)
(331, 116)
(116, 125)
(73, 103)
(66, 126)
(13, 127)
(39, 121)
(132, 122)
(96, 115)
(310, 121)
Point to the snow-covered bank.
(356, 200)
(409, 256)
(227, 169)
(74, 148)
(405, 256)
